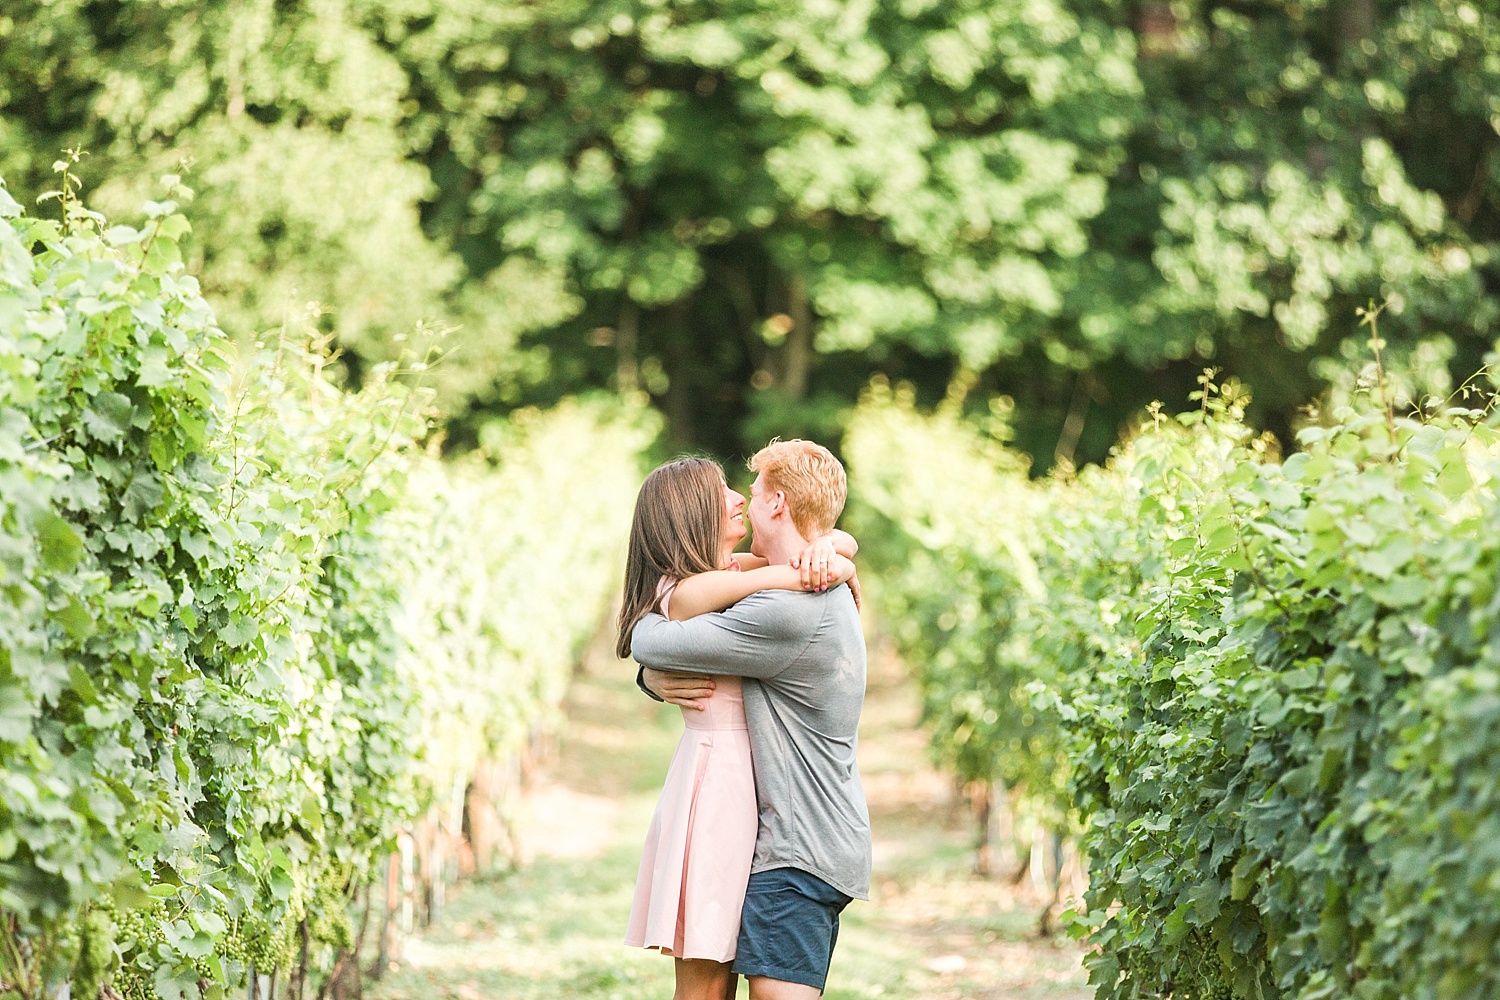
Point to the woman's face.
(734, 516)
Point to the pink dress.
(702, 838)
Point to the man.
(803, 660)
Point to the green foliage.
(961, 572)
(1287, 768)
(1313, 183)
(732, 190)
(757, 204)
(289, 118)
(217, 672)
(1274, 683)
(747, 207)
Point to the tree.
(748, 207)
(1299, 160)
(757, 203)
(288, 117)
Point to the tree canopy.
(746, 208)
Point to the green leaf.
(240, 631)
(1300, 781)
(1221, 539)
(1402, 591)
(196, 545)
(175, 227)
(128, 892)
(119, 236)
(142, 496)
(154, 370)
(1454, 480)
(82, 684)
(199, 945)
(1175, 927)
(16, 714)
(1205, 897)
(162, 253)
(75, 619)
(210, 923)
(109, 416)
(61, 548)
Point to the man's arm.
(758, 637)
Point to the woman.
(698, 850)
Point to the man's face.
(760, 514)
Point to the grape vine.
(252, 631)
(1267, 688)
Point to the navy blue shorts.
(788, 927)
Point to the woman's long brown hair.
(676, 532)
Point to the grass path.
(551, 930)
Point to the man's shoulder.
(798, 609)
(792, 598)
(787, 604)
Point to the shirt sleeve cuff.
(640, 682)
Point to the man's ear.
(778, 503)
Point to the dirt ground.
(551, 929)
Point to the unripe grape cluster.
(267, 938)
(60, 950)
(1212, 975)
(1215, 988)
(96, 953)
(328, 909)
(137, 934)
(269, 946)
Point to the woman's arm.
(844, 543)
(840, 541)
(717, 590)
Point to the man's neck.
(784, 548)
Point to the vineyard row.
(254, 637)
(1262, 692)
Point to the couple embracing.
(761, 836)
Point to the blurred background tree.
(746, 208)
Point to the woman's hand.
(833, 572)
(816, 562)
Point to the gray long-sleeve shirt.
(803, 660)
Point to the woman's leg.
(701, 979)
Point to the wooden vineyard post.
(994, 846)
(983, 796)
(387, 918)
(1046, 874)
(408, 889)
(481, 822)
(297, 984)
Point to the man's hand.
(679, 689)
